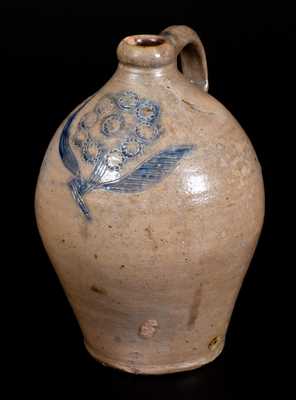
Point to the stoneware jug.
(150, 203)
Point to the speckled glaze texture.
(150, 203)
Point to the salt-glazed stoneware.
(150, 202)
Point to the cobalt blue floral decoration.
(136, 123)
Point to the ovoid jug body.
(150, 203)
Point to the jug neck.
(136, 72)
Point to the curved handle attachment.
(190, 48)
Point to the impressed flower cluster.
(119, 127)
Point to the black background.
(55, 55)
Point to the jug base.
(133, 368)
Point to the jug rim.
(146, 50)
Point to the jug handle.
(188, 45)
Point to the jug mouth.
(146, 51)
(144, 40)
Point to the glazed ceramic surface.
(150, 203)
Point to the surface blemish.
(98, 290)
(148, 328)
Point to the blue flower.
(147, 111)
(115, 160)
(105, 106)
(146, 133)
(91, 151)
(80, 137)
(131, 147)
(88, 120)
(127, 100)
(112, 125)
